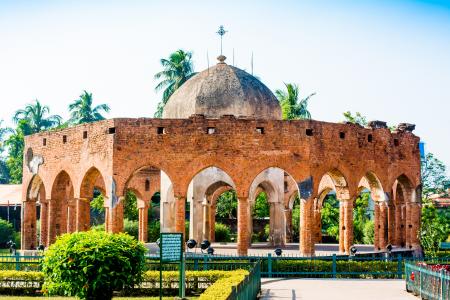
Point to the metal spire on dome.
(221, 32)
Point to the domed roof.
(223, 90)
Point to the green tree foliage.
(360, 217)
(93, 264)
(97, 203)
(7, 233)
(177, 69)
(227, 205)
(434, 229)
(261, 209)
(296, 220)
(293, 108)
(434, 176)
(355, 119)
(369, 232)
(153, 230)
(15, 144)
(222, 233)
(131, 227)
(4, 172)
(130, 210)
(82, 111)
(330, 216)
(37, 117)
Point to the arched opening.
(363, 212)
(333, 213)
(61, 207)
(212, 206)
(35, 214)
(146, 189)
(90, 207)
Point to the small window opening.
(342, 135)
(147, 185)
(211, 130)
(370, 138)
(84, 134)
(396, 142)
(410, 226)
(161, 130)
(64, 139)
(112, 130)
(260, 130)
(44, 142)
(309, 132)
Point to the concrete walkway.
(335, 289)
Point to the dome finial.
(221, 58)
(221, 32)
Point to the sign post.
(171, 251)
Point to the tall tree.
(434, 177)
(291, 106)
(4, 172)
(82, 111)
(37, 117)
(177, 69)
(15, 144)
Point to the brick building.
(222, 130)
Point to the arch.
(371, 182)
(36, 188)
(92, 179)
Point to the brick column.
(288, 219)
(398, 225)
(82, 206)
(212, 223)
(52, 222)
(317, 226)
(408, 226)
(243, 240)
(416, 212)
(348, 225)
(44, 223)
(29, 237)
(117, 217)
(383, 226)
(391, 224)
(306, 230)
(143, 223)
(376, 219)
(341, 227)
(180, 215)
(71, 215)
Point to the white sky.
(388, 61)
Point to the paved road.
(335, 289)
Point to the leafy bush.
(91, 265)
(153, 230)
(369, 232)
(99, 227)
(222, 232)
(20, 282)
(131, 227)
(6, 233)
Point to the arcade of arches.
(190, 167)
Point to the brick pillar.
(44, 223)
(143, 223)
(317, 226)
(243, 240)
(391, 224)
(398, 225)
(116, 214)
(348, 224)
(180, 215)
(383, 226)
(341, 227)
(288, 219)
(82, 207)
(306, 228)
(29, 237)
(212, 223)
(107, 219)
(376, 227)
(52, 222)
(416, 212)
(71, 216)
(408, 226)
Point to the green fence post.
(442, 285)
(269, 265)
(399, 266)
(334, 266)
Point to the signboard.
(171, 251)
(171, 247)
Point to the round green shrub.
(93, 264)
(222, 232)
(7, 233)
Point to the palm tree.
(177, 69)
(291, 107)
(36, 116)
(81, 110)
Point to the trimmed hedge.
(222, 288)
(21, 282)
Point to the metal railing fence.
(422, 281)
